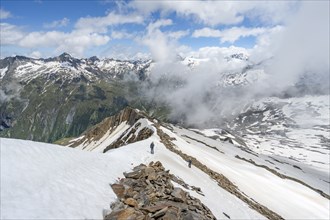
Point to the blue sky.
(42, 28)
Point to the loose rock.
(148, 193)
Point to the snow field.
(289, 199)
(42, 181)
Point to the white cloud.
(233, 34)
(88, 32)
(158, 43)
(163, 46)
(35, 54)
(207, 12)
(4, 14)
(56, 24)
(229, 35)
(74, 42)
(178, 34)
(217, 52)
(303, 47)
(158, 24)
(273, 12)
(124, 52)
(267, 43)
(100, 24)
(220, 12)
(10, 34)
(121, 35)
(206, 32)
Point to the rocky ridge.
(70, 68)
(148, 193)
(128, 115)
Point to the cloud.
(303, 47)
(196, 95)
(4, 14)
(158, 42)
(100, 24)
(230, 35)
(88, 32)
(162, 45)
(206, 32)
(272, 12)
(57, 24)
(35, 54)
(10, 34)
(220, 12)
(267, 43)
(121, 35)
(206, 12)
(74, 42)
(178, 34)
(158, 24)
(217, 52)
(124, 52)
(193, 94)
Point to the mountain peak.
(94, 58)
(65, 57)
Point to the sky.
(137, 29)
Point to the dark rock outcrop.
(5, 122)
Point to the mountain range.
(48, 99)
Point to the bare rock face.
(179, 195)
(147, 193)
(96, 132)
(134, 134)
(118, 189)
(125, 214)
(131, 202)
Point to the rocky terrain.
(148, 193)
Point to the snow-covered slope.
(48, 181)
(288, 198)
(252, 171)
(291, 131)
(41, 181)
(291, 189)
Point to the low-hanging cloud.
(163, 46)
(196, 95)
(303, 47)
